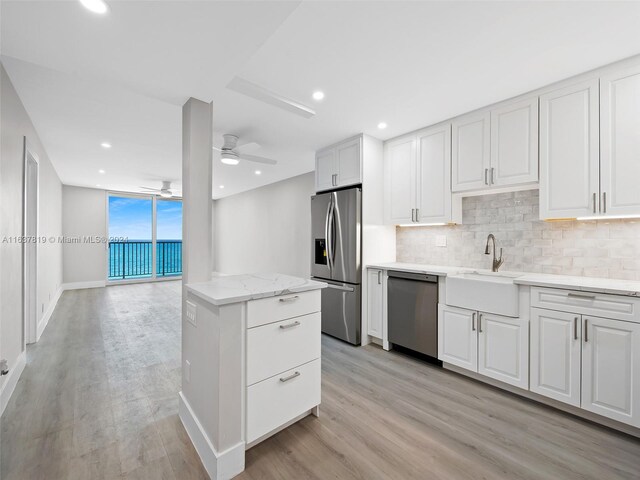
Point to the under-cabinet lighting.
(423, 224)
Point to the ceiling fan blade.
(152, 189)
(248, 147)
(255, 158)
(217, 149)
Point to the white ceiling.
(123, 77)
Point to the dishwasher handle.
(420, 277)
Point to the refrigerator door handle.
(340, 287)
(327, 235)
(331, 242)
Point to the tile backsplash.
(595, 248)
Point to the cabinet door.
(555, 355)
(569, 152)
(514, 143)
(400, 179)
(374, 302)
(471, 148)
(620, 142)
(434, 174)
(458, 337)
(503, 349)
(611, 369)
(325, 169)
(348, 163)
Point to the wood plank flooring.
(98, 401)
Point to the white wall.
(15, 125)
(265, 230)
(84, 213)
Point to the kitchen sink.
(490, 292)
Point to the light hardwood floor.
(98, 401)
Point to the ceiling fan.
(165, 191)
(231, 153)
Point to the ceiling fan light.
(229, 160)
(165, 194)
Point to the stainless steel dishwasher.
(413, 312)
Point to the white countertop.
(587, 284)
(222, 290)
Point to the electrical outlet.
(191, 313)
(441, 240)
(187, 371)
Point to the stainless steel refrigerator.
(336, 229)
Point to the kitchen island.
(250, 363)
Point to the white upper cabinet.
(349, 165)
(611, 369)
(325, 169)
(400, 179)
(569, 156)
(556, 341)
(471, 149)
(514, 143)
(339, 165)
(620, 142)
(434, 174)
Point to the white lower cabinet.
(503, 349)
(611, 369)
(375, 299)
(556, 339)
(492, 345)
(588, 362)
(457, 337)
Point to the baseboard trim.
(80, 285)
(12, 380)
(219, 465)
(44, 321)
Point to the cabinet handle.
(290, 377)
(575, 328)
(413, 214)
(586, 333)
(604, 202)
(417, 214)
(291, 325)
(289, 299)
(594, 202)
(581, 295)
(491, 176)
(473, 322)
(486, 172)
(479, 323)
(379, 277)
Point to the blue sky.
(131, 217)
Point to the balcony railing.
(134, 259)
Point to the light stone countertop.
(587, 284)
(226, 289)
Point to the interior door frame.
(30, 326)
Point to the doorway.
(30, 245)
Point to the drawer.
(279, 346)
(278, 400)
(618, 307)
(274, 309)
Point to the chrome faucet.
(497, 262)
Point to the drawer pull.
(291, 325)
(289, 299)
(290, 377)
(575, 328)
(581, 295)
(586, 332)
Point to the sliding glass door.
(145, 237)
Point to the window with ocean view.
(136, 253)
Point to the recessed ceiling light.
(258, 172)
(96, 6)
(98, 185)
(105, 145)
(101, 172)
(382, 125)
(318, 95)
(221, 186)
